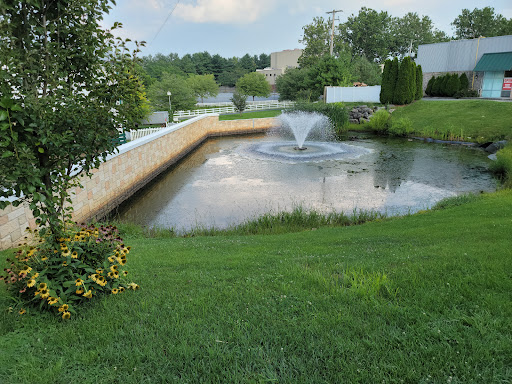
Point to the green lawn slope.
(425, 298)
(471, 120)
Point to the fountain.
(302, 126)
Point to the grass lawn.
(425, 298)
(251, 115)
(474, 120)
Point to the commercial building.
(487, 63)
(279, 63)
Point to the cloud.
(223, 11)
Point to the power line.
(165, 21)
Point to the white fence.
(231, 109)
(352, 94)
(135, 134)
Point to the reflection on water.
(217, 185)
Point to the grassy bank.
(420, 299)
(251, 115)
(471, 120)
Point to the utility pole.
(332, 28)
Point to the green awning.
(494, 62)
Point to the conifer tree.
(393, 77)
(419, 82)
(385, 90)
(412, 82)
(464, 82)
(402, 89)
(430, 84)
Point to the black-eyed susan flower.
(121, 289)
(31, 283)
(53, 300)
(44, 258)
(125, 273)
(63, 308)
(22, 311)
(42, 286)
(87, 294)
(79, 291)
(133, 286)
(66, 253)
(114, 267)
(45, 293)
(79, 282)
(74, 255)
(112, 259)
(115, 291)
(66, 315)
(110, 274)
(99, 271)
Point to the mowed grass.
(472, 120)
(251, 115)
(425, 298)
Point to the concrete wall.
(127, 171)
(352, 94)
(285, 59)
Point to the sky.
(236, 27)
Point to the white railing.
(231, 109)
(138, 133)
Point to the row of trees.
(225, 71)
(378, 35)
(449, 85)
(402, 82)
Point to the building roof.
(460, 55)
(495, 62)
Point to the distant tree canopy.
(481, 22)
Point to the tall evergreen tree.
(419, 82)
(464, 82)
(385, 90)
(393, 78)
(430, 84)
(402, 89)
(412, 82)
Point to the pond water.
(224, 182)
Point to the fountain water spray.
(301, 124)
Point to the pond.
(223, 182)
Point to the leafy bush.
(336, 112)
(464, 82)
(401, 126)
(452, 85)
(380, 121)
(430, 83)
(59, 277)
(466, 93)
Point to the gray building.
(486, 61)
(279, 63)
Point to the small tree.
(254, 84)
(182, 97)
(452, 85)
(436, 86)
(239, 100)
(66, 86)
(203, 86)
(393, 77)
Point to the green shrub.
(436, 86)
(59, 277)
(430, 83)
(419, 83)
(452, 85)
(464, 82)
(466, 93)
(336, 112)
(380, 121)
(401, 126)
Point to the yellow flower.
(121, 260)
(79, 282)
(110, 274)
(115, 291)
(35, 275)
(66, 315)
(31, 283)
(74, 255)
(79, 291)
(53, 300)
(63, 308)
(113, 268)
(25, 271)
(66, 253)
(42, 286)
(99, 271)
(45, 293)
(44, 258)
(112, 259)
(133, 286)
(125, 273)
(22, 311)
(121, 289)
(102, 281)
(87, 294)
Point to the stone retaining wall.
(127, 171)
